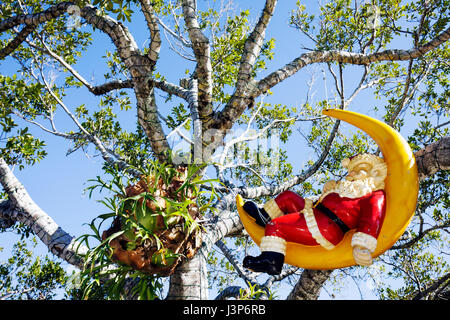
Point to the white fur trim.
(364, 240)
(311, 223)
(354, 189)
(272, 209)
(274, 244)
(363, 257)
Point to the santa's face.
(360, 172)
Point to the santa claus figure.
(358, 202)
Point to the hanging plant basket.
(155, 228)
(147, 257)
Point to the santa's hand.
(362, 256)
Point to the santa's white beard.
(357, 188)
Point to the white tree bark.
(245, 85)
(190, 281)
(140, 67)
(23, 209)
(346, 57)
(202, 52)
(155, 35)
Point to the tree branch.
(286, 272)
(227, 223)
(345, 57)
(179, 37)
(140, 67)
(96, 90)
(196, 120)
(20, 207)
(110, 86)
(17, 41)
(155, 36)
(433, 158)
(252, 47)
(422, 233)
(435, 285)
(7, 211)
(247, 276)
(265, 191)
(244, 85)
(229, 292)
(202, 51)
(37, 18)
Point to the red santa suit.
(324, 223)
(359, 202)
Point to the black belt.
(330, 214)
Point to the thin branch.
(442, 125)
(91, 137)
(407, 96)
(11, 293)
(264, 191)
(173, 34)
(96, 90)
(421, 234)
(247, 276)
(52, 131)
(286, 272)
(181, 134)
(140, 66)
(244, 137)
(180, 50)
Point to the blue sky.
(56, 184)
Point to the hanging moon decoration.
(401, 187)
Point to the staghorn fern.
(154, 228)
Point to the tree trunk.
(190, 281)
(309, 285)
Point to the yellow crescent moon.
(401, 187)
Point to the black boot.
(268, 261)
(260, 215)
